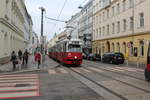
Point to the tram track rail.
(120, 73)
(120, 97)
(110, 77)
(106, 64)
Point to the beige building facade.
(11, 27)
(122, 26)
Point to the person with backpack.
(14, 60)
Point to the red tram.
(67, 52)
(147, 70)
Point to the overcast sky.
(53, 8)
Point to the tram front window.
(74, 48)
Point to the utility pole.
(42, 11)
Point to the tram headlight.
(75, 57)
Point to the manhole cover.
(22, 85)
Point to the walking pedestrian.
(20, 55)
(37, 58)
(25, 57)
(14, 60)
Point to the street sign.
(129, 44)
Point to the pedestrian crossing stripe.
(18, 75)
(60, 70)
(19, 86)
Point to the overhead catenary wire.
(64, 4)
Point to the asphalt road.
(91, 81)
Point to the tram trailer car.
(67, 52)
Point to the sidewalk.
(8, 66)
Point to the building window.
(103, 30)
(124, 5)
(100, 32)
(32, 40)
(118, 8)
(124, 48)
(103, 16)
(113, 11)
(108, 29)
(131, 49)
(118, 47)
(100, 18)
(118, 26)
(131, 23)
(113, 28)
(96, 33)
(107, 13)
(124, 25)
(141, 19)
(130, 3)
(141, 48)
(96, 19)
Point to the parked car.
(84, 56)
(114, 58)
(94, 57)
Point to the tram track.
(111, 77)
(99, 87)
(117, 96)
(120, 73)
(106, 64)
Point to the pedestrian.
(14, 60)
(20, 55)
(25, 57)
(37, 58)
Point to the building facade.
(86, 26)
(73, 26)
(122, 26)
(35, 42)
(12, 22)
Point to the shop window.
(131, 49)
(113, 47)
(141, 48)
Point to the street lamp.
(42, 11)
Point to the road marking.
(96, 69)
(18, 75)
(51, 71)
(114, 69)
(85, 70)
(63, 71)
(77, 70)
(19, 86)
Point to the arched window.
(118, 47)
(141, 48)
(131, 49)
(124, 48)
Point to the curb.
(18, 72)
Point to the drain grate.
(22, 85)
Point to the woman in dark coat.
(14, 59)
